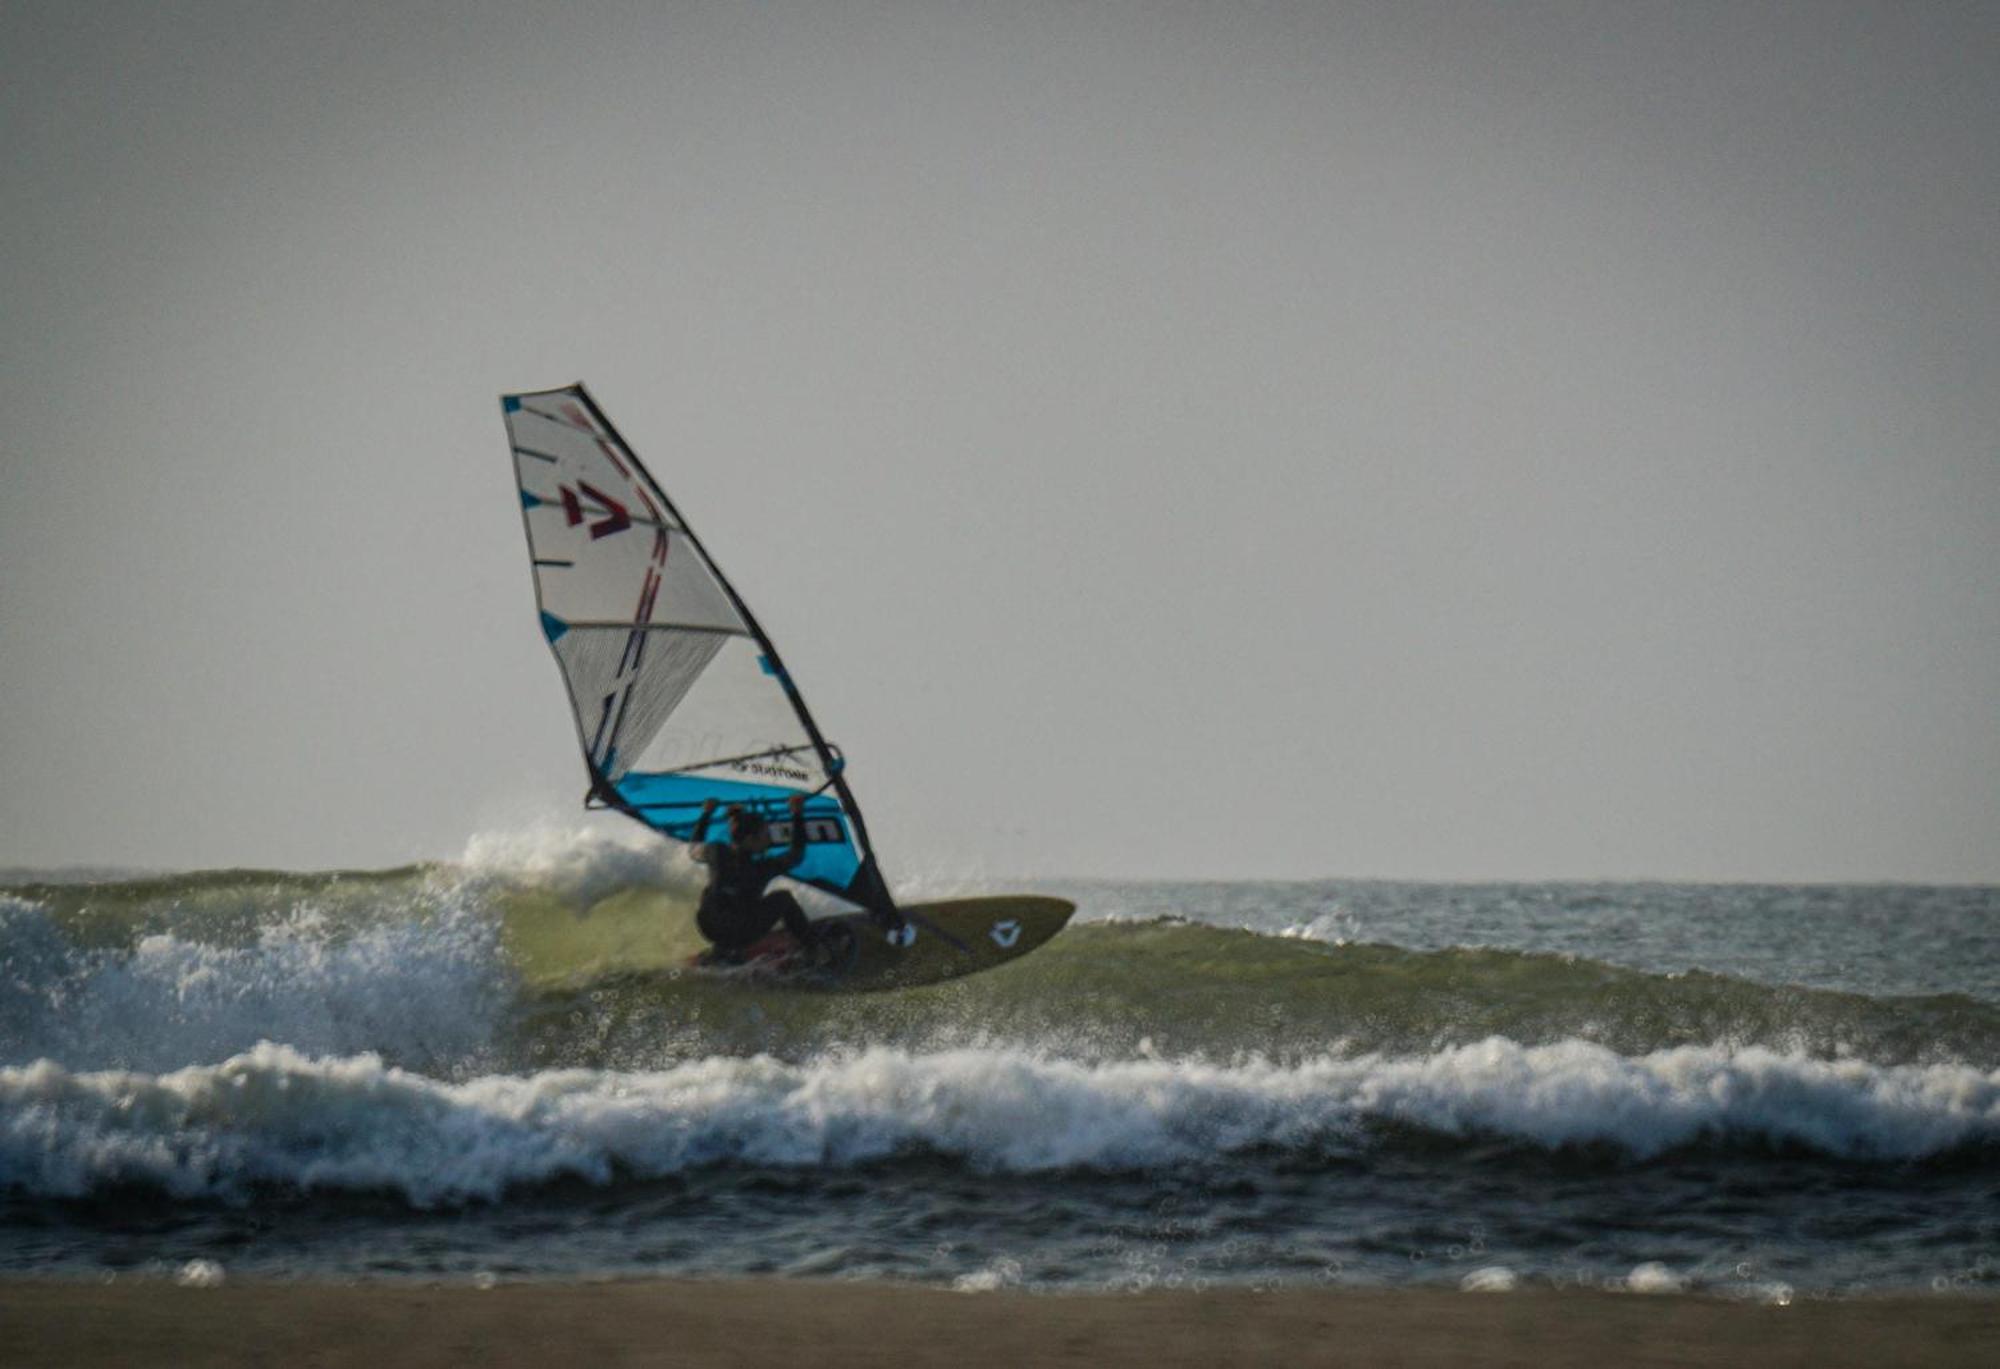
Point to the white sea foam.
(201, 1274)
(275, 1115)
(1331, 929)
(1654, 1277)
(995, 1275)
(429, 987)
(1770, 1293)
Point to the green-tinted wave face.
(1110, 991)
(455, 970)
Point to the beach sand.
(745, 1323)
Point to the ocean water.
(493, 1068)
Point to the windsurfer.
(736, 910)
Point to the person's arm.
(796, 852)
(698, 848)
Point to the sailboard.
(678, 694)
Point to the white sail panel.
(735, 722)
(622, 703)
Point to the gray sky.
(1439, 440)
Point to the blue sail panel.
(671, 804)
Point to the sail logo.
(817, 830)
(775, 768)
(610, 515)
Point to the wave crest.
(274, 1116)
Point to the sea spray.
(576, 865)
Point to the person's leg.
(786, 908)
(733, 926)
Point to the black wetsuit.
(735, 910)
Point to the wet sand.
(750, 1323)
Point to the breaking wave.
(435, 986)
(273, 1116)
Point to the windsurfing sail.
(678, 694)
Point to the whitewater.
(496, 1065)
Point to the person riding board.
(736, 910)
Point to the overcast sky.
(1433, 440)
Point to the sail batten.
(678, 695)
